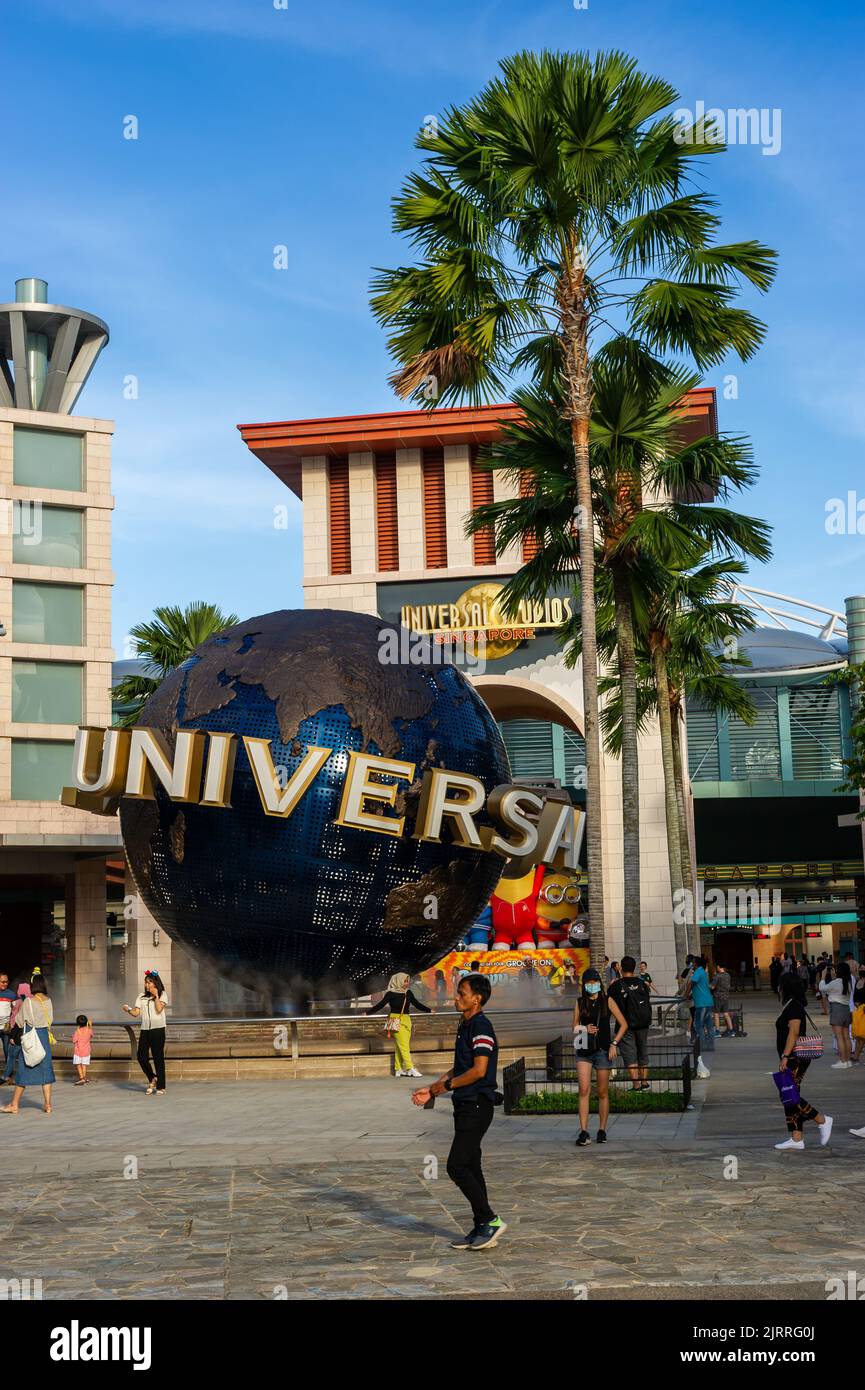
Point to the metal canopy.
(74, 340)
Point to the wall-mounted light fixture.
(156, 936)
(93, 943)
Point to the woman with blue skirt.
(36, 1012)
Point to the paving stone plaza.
(328, 1189)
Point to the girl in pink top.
(81, 1047)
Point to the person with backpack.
(631, 994)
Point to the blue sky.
(261, 126)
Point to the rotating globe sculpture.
(293, 903)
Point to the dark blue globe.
(286, 904)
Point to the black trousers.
(797, 1114)
(472, 1119)
(152, 1040)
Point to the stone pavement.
(338, 1189)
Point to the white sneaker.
(791, 1144)
(860, 1133)
(400, 1073)
(414, 1072)
(840, 1066)
(825, 1130)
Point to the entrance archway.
(543, 732)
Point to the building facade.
(63, 898)
(385, 499)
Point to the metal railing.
(671, 1069)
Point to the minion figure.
(477, 938)
(514, 905)
(558, 907)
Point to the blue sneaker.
(464, 1242)
(487, 1236)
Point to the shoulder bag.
(393, 1021)
(31, 1046)
(809, 1045)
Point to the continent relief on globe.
(271, 875)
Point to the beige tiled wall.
(41, 819)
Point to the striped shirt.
(476, 1037)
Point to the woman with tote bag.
(34, 1066)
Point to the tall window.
(47, 692)
(47, 535)
(434, 515)
(49, 613)
(755, 749)
(815, 731)
(48, 458)
(483, 542)
(340, 516)
(386, 513)
(40, 770)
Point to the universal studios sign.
(112, 763)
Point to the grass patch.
(621, 1102)
(655, 1074)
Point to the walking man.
(633, 998)
(472, 1083)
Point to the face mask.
(593, 989)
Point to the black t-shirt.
(598, 1013)
(859, 992)
(791, 1010)
(622, 991)
(399, 1002)
(476, 1037)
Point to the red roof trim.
(281, 444)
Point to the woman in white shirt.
(150, 1007)
(837, 992)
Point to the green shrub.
(621, 1102)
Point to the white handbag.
(31, 1047)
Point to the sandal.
(82, 1082)
(150, 1089)
(47, 1109)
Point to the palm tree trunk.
(688, 879)
(626, 646)
(591, 731)
(662, 686)
(578, 374)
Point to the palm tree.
(691, 621)
(551, 203)
(164, 642)
(636, 452)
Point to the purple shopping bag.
(787, 1088)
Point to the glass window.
(50, 613)
(48, 458)
(47, 692)
(815, 732)
(47, 535)
(755, 749)
(40, 771)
